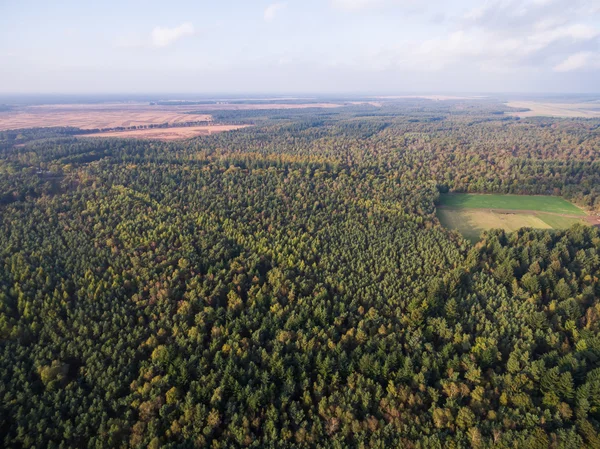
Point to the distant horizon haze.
(362, 47)
(36, 98)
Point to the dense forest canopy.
(289, 285)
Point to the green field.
(510, 202)
(558, 221)
(473, 214)
(472, 222)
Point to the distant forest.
(288, 285)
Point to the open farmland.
(473, 214)
(224, 106)
(104, 116)
(126, 115)
(173, 133)
(440, 97)
(549, 109)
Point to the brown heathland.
(549, 109)
(173, 133)
(126, 115)
(472, 222)
(262, 106)
(101, 116)
(430, 97)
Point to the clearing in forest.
(173, 133)
(473, 214)
(511, 202)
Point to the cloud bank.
(336, 45)
(272, 10)
(163, 37)
(500, 36)
(356, 5)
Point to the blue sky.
(299, 46)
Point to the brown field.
(175, 133)
(96, 116)
(586, 110)
(115, 115)
(261, 106)
(472, 222)
(377, 104)
(431, 97)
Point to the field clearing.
(560, 221)
(125, 115)
(510, 202)
(472, 214)
(176, 133)
(472, 222)
(586, 110)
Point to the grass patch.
(472, 222)
(559, 222)
(510, 202)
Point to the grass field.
(472, 214)
(511, 202)
(472, 222)
(558, 221)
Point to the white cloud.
(356, 5)
(272, 10)
(163, 37)
(576, 32)
(578, 61)
(478, 48)
(507, 35)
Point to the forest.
(288, 285)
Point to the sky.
(299, 46)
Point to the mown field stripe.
(510, 202)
